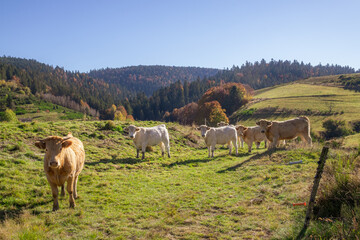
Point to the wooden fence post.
(319, 171)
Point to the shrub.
(335, 128)
(338, 200)
(109, 125)
(9, 116)
(118, 129)
(356, 126)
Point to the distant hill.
(168, 87)
(29, 107)
(256, 75)
(319, 98)
(92, 90)
(147, 79)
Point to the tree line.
(256, 75)
(151, 92)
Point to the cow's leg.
(249, 143)
(167, 145)
(75, 187)
(274, 143)
(55, 193)
(209, 149)
(70, 190)
(306, 139)
(230, 147)
(143, 149)
(137, 152)
(212, 150)
(236, 145)
(265, 141)
(242, 141)
(62, 190)
(162, 147)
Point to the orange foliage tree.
(231, 96)
(186, 114)
(212, 112)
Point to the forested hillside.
(129, 87)
(55, 82)
(147, 79)
(256, 75)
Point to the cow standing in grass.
(286, 130)
(63, 161)
(240, 138)
(152, 136)
(221, 135)
(250, 135)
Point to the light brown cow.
(284, 130)
(250, 135)
(63, 161)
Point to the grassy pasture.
(318, 102)
(188, 196)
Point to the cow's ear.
(66, 143)
(40, 144)
(269, 124)
(198, 128)
(245, 128)
(257, 123)
(237, 127)
(126, 129)
(207, 128)
(137, 129)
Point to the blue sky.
(92, 34)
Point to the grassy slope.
(314, 97)
(188, 196)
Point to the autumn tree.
(212, 112)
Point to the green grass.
(318, 102)
(188, 196)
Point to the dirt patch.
(193, 140)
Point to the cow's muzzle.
(203, 135)
(131, 136)
(262, 131)
(53, 164)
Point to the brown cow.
(284, 130)
(63, 161)
(250, 135)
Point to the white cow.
(143, 137)
(250, 135)
(241, 140)
(221, 135)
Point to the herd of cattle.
(65, 156)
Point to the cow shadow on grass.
(255, 157)
(115, 160)
(193, 161)
(17, 212)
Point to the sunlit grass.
(188, 196)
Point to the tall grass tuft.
(337, 210)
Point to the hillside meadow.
(319, 98)
(188, 196)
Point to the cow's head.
(241, 130)
(264, 125)
(203, 129)
(132, 131)
(54, 147)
